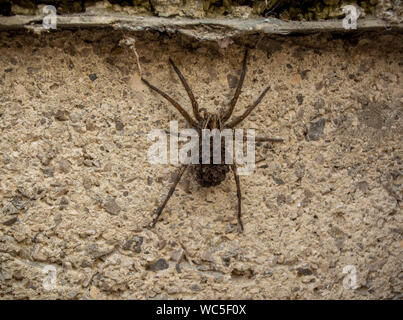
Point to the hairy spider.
(209, 175)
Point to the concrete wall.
(77, 191)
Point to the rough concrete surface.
(77, 191)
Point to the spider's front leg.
(170, 193)
(238, 193)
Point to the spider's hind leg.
(170, 193)
(239, 196)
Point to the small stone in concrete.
(195, 287)
(177, 255)
(11, 221)
(160, 264)
(62, 115)
(119, 125)
(304, 271)
(300, 99)
(316, 130)
(112, 207)
(320, 103)
(64, 166)
(232, 81)
(134, 244)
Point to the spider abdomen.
(210, 175)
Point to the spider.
(208, 175)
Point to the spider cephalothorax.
(210, 174)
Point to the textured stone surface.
(204, 29)
(311, 208)
(391, 10)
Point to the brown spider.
(210, 174)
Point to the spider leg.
(188, 90)
(170, 193)
(269, 139)
(264, 139)
(173, 102)
(238, 193)
(238, 120)
(234, 100)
